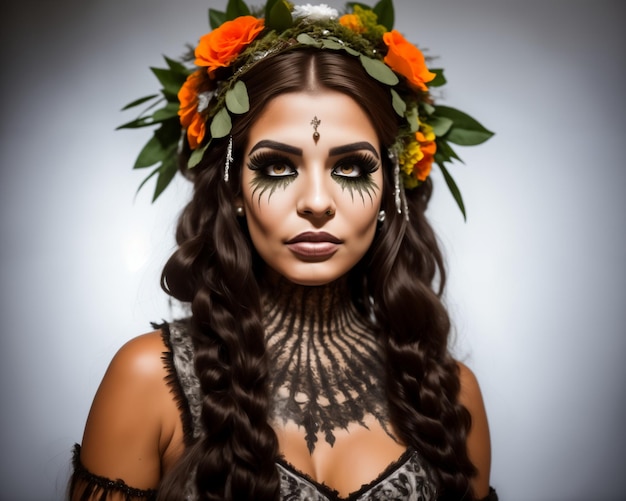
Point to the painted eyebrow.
(275, 145)
(348, 148)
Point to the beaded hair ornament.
(197, 101)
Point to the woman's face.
(311, 203)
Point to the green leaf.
(236, 8)
(196, 156)
(170, 110)
(305, 39)
(385, 13)
(221, 124)
(167, 171)
(137, 123)
(216, 18)
(279, 17)
(445, 153)
(439, 79)
(331, 44)
(456, 193)
(161, 145)
(466, 131)
(378, 70)
(139, 101)
(170, 80)
(398, 103)
(412, 118)
(146, 179)
(428, 108)
(150, 154)
(440, 125)
(237, 100)
(176, 66)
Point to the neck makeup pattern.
(325, 362)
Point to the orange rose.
(221, 46)
(190, 119)
(404, 58)
(352, 22)
(428, 148)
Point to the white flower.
(203, 100)
(321, 12)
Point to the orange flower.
(428, 148)
(404, 58)
(221, 46)
(190, 119)
(352, 22)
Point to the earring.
(381, 216)
(239, 211)
(399, 195)
(229, 159)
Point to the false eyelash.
(262, 160)
(367, 163)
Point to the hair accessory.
(229, 159)
(381, 216)
(199, 101)
(315, 123)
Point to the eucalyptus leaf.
(398, 103)
(139, 101)
(428, 108)
(237, 100)
(440, 125)
(413, 119)
(221, 124)
(456, 193)
(305, 39)
(196, 156)
(216, 18)
(385, 13)
(351, 51)
(466, 131)
(378, 70)
(331, 44)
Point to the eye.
(271, 165)
(347, 170)
(355, 166)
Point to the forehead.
(293, 117)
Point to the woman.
(314, 363)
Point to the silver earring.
(239, 211)
(399, 196)
(229, 159)
(381, 216)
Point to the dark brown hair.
(216, 270)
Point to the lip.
(314, 245)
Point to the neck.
(327, 366)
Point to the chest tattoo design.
(326, 366)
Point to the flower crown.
(198, 102)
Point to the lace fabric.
(85, 486)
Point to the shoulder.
(134, 422)
(478, 439)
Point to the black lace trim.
(173, 381)
(94, 487)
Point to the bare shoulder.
(133, 425)
(478, 439)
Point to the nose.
(316, 197)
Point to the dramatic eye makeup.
(273, 170)
(354, 173)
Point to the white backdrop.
(537, 274)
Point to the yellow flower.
(352, 22)
(416, 160)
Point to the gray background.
(538, 273)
